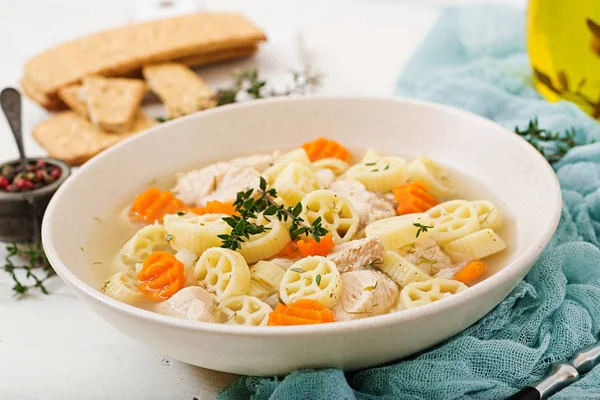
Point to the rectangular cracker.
(69, 137)
(71, 96)
(112, 103)
(181, 90)
(118, 51)
(216, 56)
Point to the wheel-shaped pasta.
(432, 174)
(297, 155)
(294, 182)
(488, 214)
(452, 220)
(265, 244)
(380, 175)
(400, 231)
(222, 271)
(195, 232)
(400, 270)
(475, 246)
(243, 310)
(337, 213)
(420, 293)
(335, 165)
(314, 278)
(123, 286)
(147, 240)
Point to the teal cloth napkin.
(475, 59)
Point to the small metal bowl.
(21, 213)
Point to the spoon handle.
(10, 101)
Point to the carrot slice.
(413, 198)
(161, 276)
(153, 204)
(301, 312)
(471, 271)
(310, 247)
(325, 148)
(215, 207)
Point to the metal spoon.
(10, 101)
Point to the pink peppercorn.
(4, 182)
(56, 172)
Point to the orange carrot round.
(310, 247)
(471, 271)
(215, 207)
(161, 276)
(153, 204)
(325, 148)
(413, 197)
(290, 251)
(301, 312)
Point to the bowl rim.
(510, 271)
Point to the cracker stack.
(92, 76)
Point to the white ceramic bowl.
(511, 169)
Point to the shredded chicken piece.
(193, 303)
(427, 255)
(357, 254)
(366, 293)
(370, 206)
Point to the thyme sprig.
(33, 260)
(421, 228)
(249, 204)
(541, 138)
(249, 82)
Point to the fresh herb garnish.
(181, 213)
(103, 288)
(540, 138)
(370, 164)
(160, 120)
(318, 279)
(387, 166)
(248, 206)
(422, 228)
(430, 262)
(34, 260)
(249, 82)
(298, 270)
(372, 287)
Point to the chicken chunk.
(427, 255)
(235, 180)
(370, 206)
(194, 303)
(357, 254)
(284, 263)
(260, 162)
(366, 293)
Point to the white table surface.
(52, 347)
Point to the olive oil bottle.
(563, 42)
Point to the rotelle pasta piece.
(337, 214)
(297, 155)
(294, 182)
(452, 220)
(243, 310)
(335, 165)
(224, 272)
(196, 232)
(488, 214)
(300, 312)
(123, 286)
(161, 276)
(322, 148)
(413, 197)
(432, 174)
(420, 293)
(380, 175)
(397, 232)
(153, 204)
(265, 244)
(315, 278)
(147, 240)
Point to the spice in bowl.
(40, 173)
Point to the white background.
(52, 347)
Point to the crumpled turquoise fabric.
(475, 59)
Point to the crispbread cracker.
(217, 56)
(69, 137)
(50, 103)
(121, 50)
(70, 95)
(112, 103)
(181, 90)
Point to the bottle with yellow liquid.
(563, 41)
